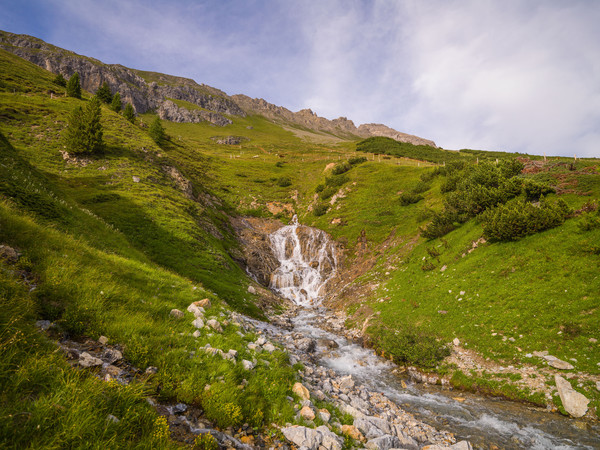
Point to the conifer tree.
(115, 105)
(84, 132)
(104, 94)
(129, 113)
(156, 131)
(74, 87)
(60, 80)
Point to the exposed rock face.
(341, 126)
(136, 87)
(170, 111)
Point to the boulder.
(215, 325)
(324, 415)
(329, 439)
(383, 443)
(112, 355)
(307, 413)
(204, 303)
(560, 364)
(247, 365)
(177, 314)
(303, 437)
(198, 323)
(300, 390)
(269, 347)
(87, 360)
(574, 402)
(353, 432)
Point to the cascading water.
(308, 262)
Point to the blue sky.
(497, 75)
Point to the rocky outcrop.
(341, 127)
(168, 110)
(144, 90)
(574, 403)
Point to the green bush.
(328, 192)
(408, 198)
(340, 168)
(60, 80)
(355, 160)
(409, 346)
(441, 224)
(279, 164)
(284, 182)
(320, 209)
(589, 221)
(336, 180)
(519, 218)
(319, 188)
(533, 190)
(421, 187)
(74, 87)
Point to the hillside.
(109, 244)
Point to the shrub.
(533, 190)
(428, 176)
(320, 209)
(284, 182)
(129, 113)
(520, 218)
(328, 192)
(156, 131)
(319, 188)
(115, 104)
(340, 168)
(421, 187)
(104, 94)
(84, 131)
(336, 180)
(409, 346)
(355, 160)
(441, 224)
(589, 221)
(279, 164)
(60, 80)
(408, 198)
(74, 87)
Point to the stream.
(308, 262)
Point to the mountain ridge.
(153, 91)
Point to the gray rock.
(385, 442)
(574, 402)
(303, 437)
(346, 383)
(215, 325)
(462, 445)
(196, 310)
(251, 290)
(151, 370)
(329, 439)
(177, 314)
(306, 345)
(111, 418)
(261, 341)
(112, 355)
(198, 323)
(559, 364)
(269, 347)
(247, 365)
(87, 360)
(103, 340)
(456, 342)
(43, 324)
(197, 333)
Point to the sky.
(505, 75)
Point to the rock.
(307, 413)
(251, 290)
(462, 445)
(346, 383)
(151, 370)
(540, 354)
(135, 179)
(306, 345)
(456, 342)
(103, 340)
(247, 365)
(329, 439)
(112, 355)
(170, 111)
(9, 254)
(261, 341)
(179, 408)
(176, 314)
(549, 358)
(253, 346)
(352, 431)
(324, 415)
(269, 347)
(112, 419)
(43, 324)
(574, 402)
(198, 323)
(559, 364)
(215, 325)
(196, 310)
(443, 268)
(233, 352)
(300, 390)
(197, 333)
(328, 343)
(204, 303)
(303, 437)
(87, 360)
(592, 340)
(383, 443)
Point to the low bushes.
(408, 198)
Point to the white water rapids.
(308, 262)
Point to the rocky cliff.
(306, 118)
(146, 91)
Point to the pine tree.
(60, 80)
(74, 87)
(104, 94)
(115, 105)
(129, 113)
(84, 132)
(156, 131)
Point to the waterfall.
(308, 261)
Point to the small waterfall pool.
(309, 262)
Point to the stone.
(300, 390)
(197, 333)
(253, 346)
(135, 179)
(112, 419)
(87, 360)
(385, 442)
(592, 340)
(215, 325)
(233, 352)
(328, 343)
(462, 445)
(103, 340)
(598, 385)
(549, 358)
(251, 290)
(269, 347)
(306, 345)
(196, 310)
(176, 314)
(329, 440)
(261, 341)
(574, 402)
(562, 365)
(456, 342)
(43, 324)
(204, 303)
(112, 355)
(346, 383)
(302, 436)
(198, 323)
(353, 432)
(247, 365)
(9, 254)
(324, 415)
(540, 354)
(307, 413)
(151, 370)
